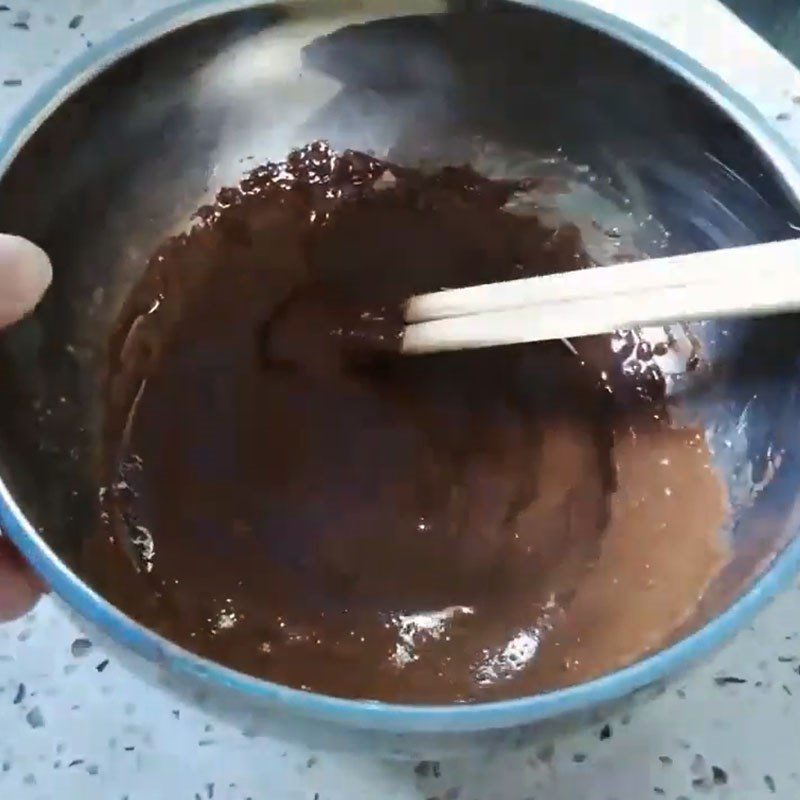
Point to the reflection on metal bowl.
(119, 150)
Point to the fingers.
(25, 274)
(20, 587)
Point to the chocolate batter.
(290, 499)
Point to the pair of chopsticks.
(752, 280)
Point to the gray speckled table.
(74, 724)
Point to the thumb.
(25, 274)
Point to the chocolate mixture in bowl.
(453, 527)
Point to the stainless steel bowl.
(120, 149)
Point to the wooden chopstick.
(752, 280)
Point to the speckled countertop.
(74, 724)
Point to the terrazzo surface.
(75, 724)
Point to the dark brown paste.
(452, 527)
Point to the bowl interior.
(128, 158)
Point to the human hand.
(25, 274)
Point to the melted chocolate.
(334, 517)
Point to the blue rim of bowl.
(370, 714)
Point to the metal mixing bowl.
(119, 149)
